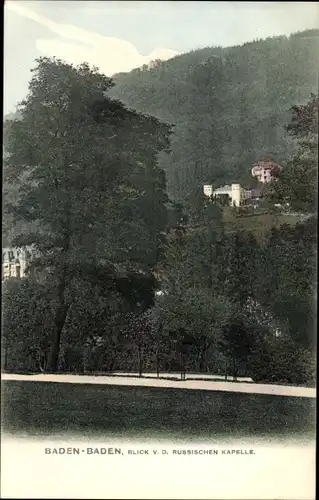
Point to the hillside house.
(265, 170)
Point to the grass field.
(88, 410)
(259, 223)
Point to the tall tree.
(93, 184)
(296, 183)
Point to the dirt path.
(248, 388)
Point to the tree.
(278, 359)
(237, 265)
(296, 183)
(192, 311)
(92, 183)
(193, 319)
(27, 321)
(141, 339)
(285, 279)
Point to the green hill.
(229, 106)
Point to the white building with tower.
(237, 195)
(208, 190)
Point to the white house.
(236, 193)
(15, 262)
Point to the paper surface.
(273, 471)
(158, 436)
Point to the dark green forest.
(135, 269)
(228, 106)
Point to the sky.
(120, 36)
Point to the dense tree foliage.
(286, 265)
(297, 183)
(91, 180)
(27, 324)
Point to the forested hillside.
(229, 106)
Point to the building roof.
(267, 164)
(223, 188)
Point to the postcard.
(159, 250)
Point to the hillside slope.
(228, 105)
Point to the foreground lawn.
(87, 410)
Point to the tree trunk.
(183, 371)
(140, 361)
(84, 360)
(56, 340)
(246, 366)
(202, 356)
(59, 321)
(62, 309)
(157, 361)
(5, 367)
(42, 362)
(211, 280)
(111, 365)
(234, 369)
